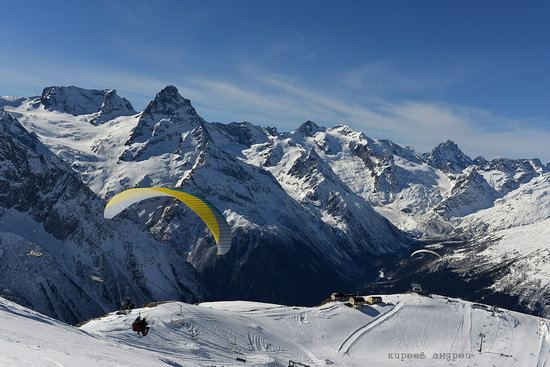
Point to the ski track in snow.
(352, 339)
(544, 351)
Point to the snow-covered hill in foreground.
(393, 333)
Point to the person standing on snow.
(144, 329)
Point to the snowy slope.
(388, 334)
(45, 208)
(528, 275)
(515, 230)
(528, 204)
(32, 339)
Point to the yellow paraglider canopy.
(211, 216)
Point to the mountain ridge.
(330, 177)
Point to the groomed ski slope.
(215, 334)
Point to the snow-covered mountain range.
(311, 210)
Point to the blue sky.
(417, 72)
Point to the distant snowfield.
(74, 139)
(394, 333)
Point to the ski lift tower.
(96, 275)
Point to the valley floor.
(397, 332)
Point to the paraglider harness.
(140, 326)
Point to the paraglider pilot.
(140, 326)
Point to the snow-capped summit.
(104, 104)
(169, 103)
(113, 106)
(162, 125)
(13, 101)
(447, 156)
(169, 106)
(309, 128)
(73, 100)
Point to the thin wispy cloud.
(419, 124)
(385, 77)
(278, 100)
(298, 45)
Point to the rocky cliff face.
(167, 114)
(448, 157)
(469, 194)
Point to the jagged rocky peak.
(448, 157)
(481, 162)
(5, 118)
(346, 130)
(385, 147)
(536, 165)
(170, 103)
(309, 128)
(272, 131)
(518, 165)
(80, 101)
(169, 111)
(10, 126)
(112, 107)
(307, 164)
